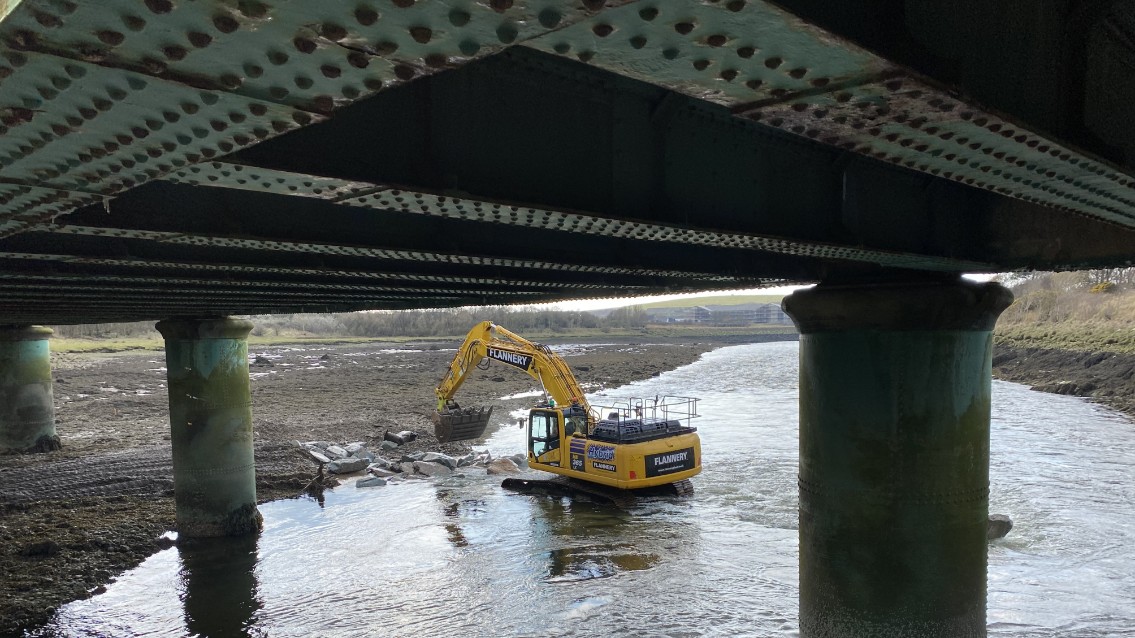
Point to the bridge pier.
(27, 411)
(210, 412)
(894, 457)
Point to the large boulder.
(999, 525)
(430, 468)
(416, 456)
(502, 466)
(380, 471)
(318, 457)
(336, 452)
(373, 481)
(438, 457)
(346, 466)
(386, 446)
(354, 448)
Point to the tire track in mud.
(137, 472)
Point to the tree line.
(396, 323)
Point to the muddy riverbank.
(72, 520)
(1105, 377)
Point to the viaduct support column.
(894, 457)
(27, 413)
(210, 414)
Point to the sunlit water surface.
(463, 557)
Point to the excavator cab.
(544, 427)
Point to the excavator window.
(544, 432)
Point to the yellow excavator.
(633, 444)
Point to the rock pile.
(355, 457)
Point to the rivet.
(22, 40)
(500, 6)
(366, 16)
(332, 31)
(778, 93)
(330, 71)
(47, 20)
(386, 47)
(277, 92)
(638, 42)
(648, 13)
(561, 47)
(257, 109)
(594, 5)
(585, 56)
(773, 63)
(469, 47)
(175, 53)
(404, 72)
(746, 52)
(602, 30)
(754, 84)
(324, 103)
(436, 60)
(159, 6)
(684, 28)
(549, 18)
(303, 82)
(421, 35)
(252, 70)
(459, 18)
(735, 5)
(798, 73)
(701, 64)
(252, 9)
(670, 53)
(507, 33)
(728, 75)
(200, 40)
(403, 4)
(190, 108)
(304, 45)
(231, 81)
(277, 58)
(358, 59)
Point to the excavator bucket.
(461, 424)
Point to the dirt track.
(71, 520)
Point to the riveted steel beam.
(765, 64)
(385, 197)
(101, 96)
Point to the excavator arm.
(489, 341)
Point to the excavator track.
(574, 488)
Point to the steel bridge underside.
(163, 158)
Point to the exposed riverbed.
(463, 555)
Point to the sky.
(618, 302)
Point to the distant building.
(719, 315)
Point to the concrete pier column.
(210, 413)
(27, 413)
(894, 457)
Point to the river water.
(463, 557)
